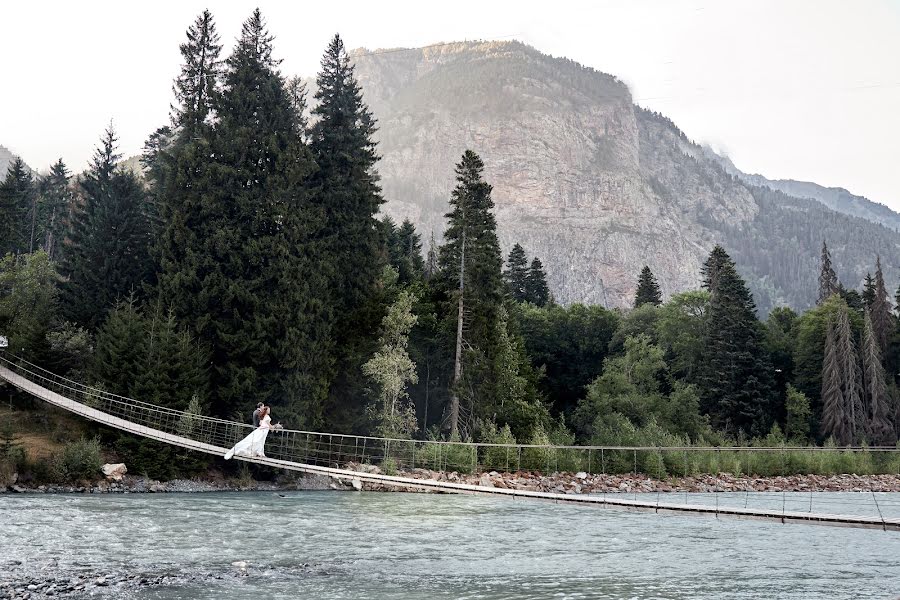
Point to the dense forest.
(251, 264)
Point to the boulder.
(17, 489)
(114, 472)
(356, 483)
(580, 475)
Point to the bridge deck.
(93, 414)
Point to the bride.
(253, 444)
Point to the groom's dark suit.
(256, 418)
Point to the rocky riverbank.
(560, 483)
(585, 483)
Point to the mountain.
(6, 159)
(837, 199)
(589, 182)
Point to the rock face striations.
(592, 184)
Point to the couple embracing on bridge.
(254, 444)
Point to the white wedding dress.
(253, 444)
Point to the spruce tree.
(239, 256)
(17, 210)
(57, 203)
(868, 294)
(828, 281)
(431, 261)
(736, 382)
(883, 322)
(709, 271)
(471, 264)
(516, 273)
(647, 290)
(879, 429)
(347, 189)
(196, 86)
(410, 243)
(108, 256)
(536, 290)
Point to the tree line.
(250, 264)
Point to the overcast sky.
(805, 90)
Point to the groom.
(259, 406)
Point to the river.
(398, 546)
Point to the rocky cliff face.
(6, 159)
(593, 185)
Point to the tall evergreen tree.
(404, 250)
(197, 85)
(709, 271)
(850, 377)
(736, 382)
(837, 421)
(431, 260)
(347, 187)
(57, 202)
(536, 290)
(828, 281)
(108, 256)
(868, 294)
(647, 290)
(239, 257)
(516, 273)
(471, 263)
(17, 209)
(883, 322)
(879, 429)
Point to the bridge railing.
(330, 449)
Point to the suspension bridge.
(323, 453)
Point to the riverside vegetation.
(249, 263)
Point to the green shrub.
(389, 466)
(78, 460)
(539, 459)
(498, 458)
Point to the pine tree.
(709, 271)
(879, 429)
(868, 294)
(736, 382)
(239, 255)
(536, 290)
(108, 256)
(404, 250)
(516, 273)
(882, 320)
(57, 202)
(411, 244)
(347, 187)
(431, 261)
(647, 290)
(828, 281)
(196, 87)
(471, 263)
(17, 210)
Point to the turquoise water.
(380, 545)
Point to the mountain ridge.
(583, 178)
